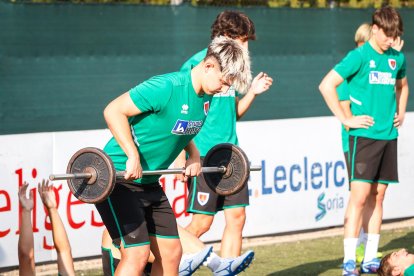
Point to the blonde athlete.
(151, 125)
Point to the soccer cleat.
(370, 267)
(234, 266)
(190, 264)
(360, 251)
(349, 268)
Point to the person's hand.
(47, 194)
(398, 44)
(133, 168)
(27, 203)
(261, 83)
(361, 121)
(192, 167)
(398, 120)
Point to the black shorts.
(203, 200)
(109, 263)
(348, 168)
(373, 161)
(134, 212)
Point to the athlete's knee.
(199, 226)
(236, 220)
(135, 257)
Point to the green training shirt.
(371, 80)
(172, 114)
(409, 271)
(220, 125)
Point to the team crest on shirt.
(392, 63)
(206, 107)
(202, 198)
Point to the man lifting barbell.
(151, 124)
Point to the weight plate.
(95, 161)
(237, 168)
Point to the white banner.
(303, 183)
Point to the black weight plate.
(94, 159)
(237, 168)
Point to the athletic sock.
(362, 239)
(350, 245)
(212, 262)
(371, 248)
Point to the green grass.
(320, 256)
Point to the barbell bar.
(91, 174)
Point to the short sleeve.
(152, 95)
(349, 65)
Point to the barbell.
(91, 174)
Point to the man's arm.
(192, 164)
(60, 238)
(402, 92)
(328, 90)
(260, 84)
(116, 116)
(26, 242)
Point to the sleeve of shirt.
(343, 91)
(152, 95)
(402, 73)
(349, 65)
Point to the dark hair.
(385, 268)
(389, 20)
(233, 24)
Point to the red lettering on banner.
(182, 198)
(5, 208)
(72, 223)
(46, 246)
(94, 222)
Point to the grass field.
(318, 254)
(313, 256)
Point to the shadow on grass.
(406, 241)
(315, 268)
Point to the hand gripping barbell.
(92, 176)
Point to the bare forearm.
(26, 245)
(244, 104)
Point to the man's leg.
(133, 260)
(353, 222)
(200, 224)
(231, 243)
(167, 253)
(375, 208)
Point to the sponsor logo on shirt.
(202, 198)
(392, 63)
(206, 107)
(376, 77)
(372, 64)
(184, 127)
(184, 109)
